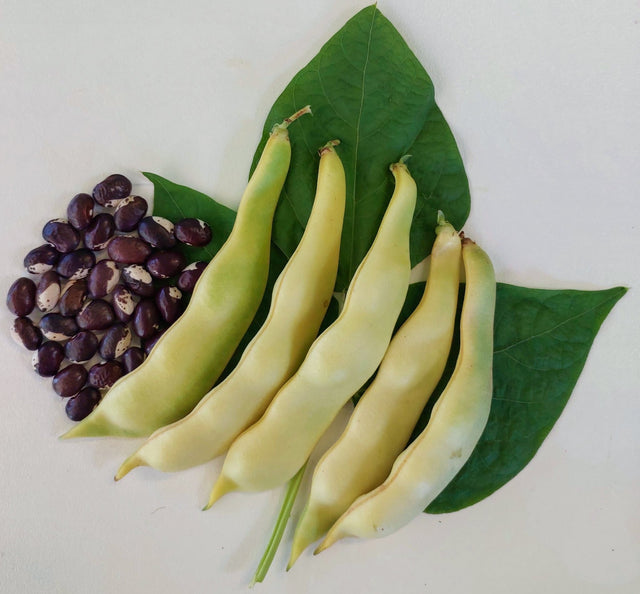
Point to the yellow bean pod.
(457, 421)
(338, 363)
(385, 416)
(190, 356)
(300, 299)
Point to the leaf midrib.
(356, 149)
(559, 325)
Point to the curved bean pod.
(344, 356)
(458, 419)
(301, 296)
(191, 355)
(386, 414)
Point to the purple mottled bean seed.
(115, 341)
(104, 375)
(69, 380)
(95, 315)
(101, 229)
(48, 358)
(81, 405)
(130, 212)
(26, 334)
(41, 259)
(138, 279)
(73, 297)
(128, 250)
(103, 278)
(81, 347)
(132, 358)
(164, 264)
(111, 190)
(76, 264)
(21, 297)
(190, 275)
(158, 232)
(58, 327)
(193, 232)
(61, 235)
(48, 291)
(146, 319)
(80, 211)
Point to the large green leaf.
(368, 89)
(541, 342)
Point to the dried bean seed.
(73, 296)
(123, 303)
(26, 334)
(128, 250)
(168, 302)
(61, 235)
(158, 232)
(81, 347)
(115, 341)
(190, 275)
(193, 232)
(130, 212)
(47, 359)
(164, 264)
(82, 404)
(69, 380)
(104, 375)
(103, 278)
(76, 264)
(80, 211)
(58, 327)
(48, 291)
(138, 280)
(41, 259)
(21, 297)
(95, 315)
(146, 319)
(111, 190)
(132, 358)
(99, 232)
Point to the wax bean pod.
(300, 299)
(338, 363)
(382, 422)
(457, 421)
(190, 356)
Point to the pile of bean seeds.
(103, 288)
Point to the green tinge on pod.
(301, 296)
(191, 355)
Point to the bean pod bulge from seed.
(384, 418)
(191, 355)
(457, 421)
(299, 302)
(338, 363)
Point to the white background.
(543, 100)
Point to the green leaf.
(175, 202)
(541, 342)
(368, 89)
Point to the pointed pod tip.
(222, 487)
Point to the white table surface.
(543, 100)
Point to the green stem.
(281, 524)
